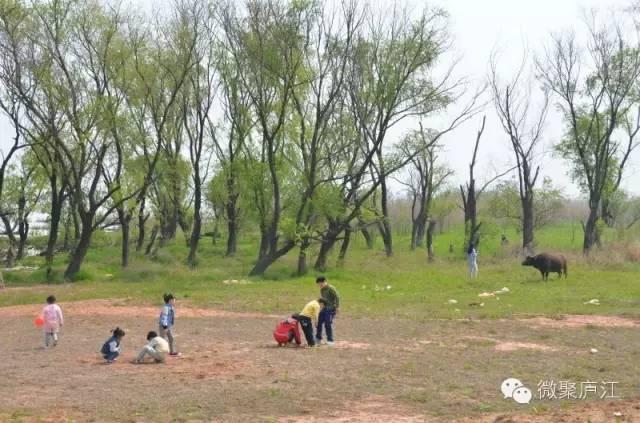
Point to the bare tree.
(595, 88)
(514, 101)
(425, 179)
(470, 195)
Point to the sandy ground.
(379, 371)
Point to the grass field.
(403, 286)
(405, 352)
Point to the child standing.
(157, 347)
(472, 255)
(167, 320)
(308, 316)
(111, 348)
(53, 321)
(329, 311)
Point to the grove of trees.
(278, 117)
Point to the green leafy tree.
(596, 107)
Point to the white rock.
(594, 351)
(486, 294)
(594, 301)
(453, 301)
(617, 414)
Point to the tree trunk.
(23, 227)
(10, 259)
(185, 228)
(420, 231)
(55, 213)
(264, 243)
(328, 241)
(345, 246)
(414, 232)
(263, 264)
(141, 223)
(527, 225)
(385, 230)
(302, 257)
(81, 248)
(606, 214)
(125, 220)
(168, 223)
(590, 230)
(8, 229)
(23, 234)
(430, 230)
(367, 237)
(76, 223)
(197, 223)
(232, 227)
(152, 240)
(66, 243)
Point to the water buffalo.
(546, 263)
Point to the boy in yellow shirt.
(308, 316)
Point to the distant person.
(111, 349)
(156, 347)
(167, 320)
(308, 316)
(472, 255)
(329, 311)
(504, 241)
(53, 321)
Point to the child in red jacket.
(287, 331)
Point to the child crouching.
(111, 348)
(157, 348)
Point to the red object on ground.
(287, 331)
(39, 321)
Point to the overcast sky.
(478, 27)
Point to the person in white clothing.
(157, 348)
(472, 255)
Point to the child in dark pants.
(329, 311)
(308, 316)
(111, 348)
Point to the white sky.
(478, 27)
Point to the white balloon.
(522, 395)
(508, 385)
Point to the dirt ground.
(231, 370)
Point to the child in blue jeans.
(167, 319)
(111, 348)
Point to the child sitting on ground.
(156, 348)
(287, 331)
(53, 321)
(111, 348)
